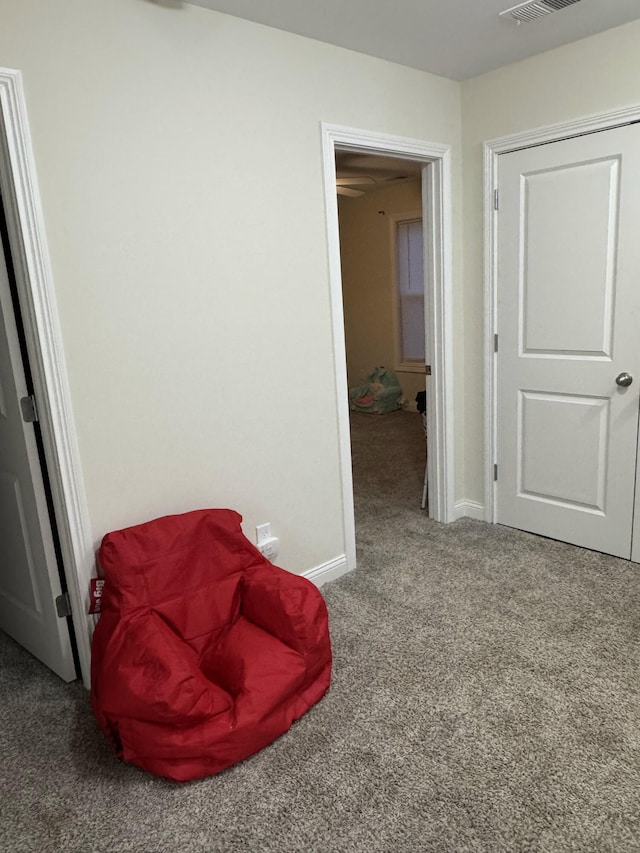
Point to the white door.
(568, 314)
(29, 578)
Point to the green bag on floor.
(380, 394)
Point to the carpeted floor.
(485, 698)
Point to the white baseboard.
(328, 571)
(469, 509)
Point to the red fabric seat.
(205, 652)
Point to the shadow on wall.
(168, 4)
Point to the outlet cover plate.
(263, 532)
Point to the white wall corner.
(329, 571)
(469, 509)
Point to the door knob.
(624, 379)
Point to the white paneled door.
(29, 578)
(568, 320)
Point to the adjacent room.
(380, 213)
(219, 219)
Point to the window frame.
(404, 365)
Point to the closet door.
(29, 577)
(568, 314)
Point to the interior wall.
(367, 253)
(179, 160)
(594, 75)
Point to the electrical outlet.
(270, 547)
(263, 532)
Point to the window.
(410, 283)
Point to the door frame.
(36, 296)
(437, 219)
(493, 148)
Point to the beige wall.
(367, 252)
(179, 161)
(594, 75)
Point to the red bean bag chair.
(205, 652)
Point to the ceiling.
(372, 172)
(453, 38)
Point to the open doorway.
(380, 214)
(434, 161)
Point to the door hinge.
(63, 605)
(495, 343)
(496, 201)
(29, 409)
(495, 472)
(427, 369)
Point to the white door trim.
(492, 149)
(436, 185)
(44, 344)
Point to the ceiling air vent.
(535, 9)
